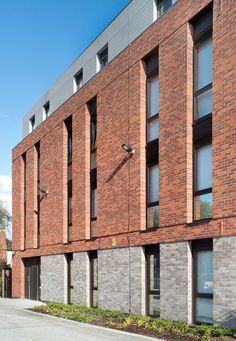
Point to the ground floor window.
(203, 281)
(94, 279)
(153, 280)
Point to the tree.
(4, 214)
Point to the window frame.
(46, 110)
(78, 78)
(152, 71)
(197, 193)
(201, 40)
(32, 123)
(92, 256)
(100, 65)
(149, 251)
(199, 245)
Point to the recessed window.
(102, 58)
(153, 280)
(46, 110)
(161, 6)
(203, 183)
(94, 279)
(78, 80)
(203, 281)
(32, 124)
(152, 146)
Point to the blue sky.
(39, 39)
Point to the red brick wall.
(121, 104)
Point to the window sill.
(199, 222)
(91, 239)
(150, 229)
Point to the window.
(161, 6)
(68, 124)
(94, 279)
(38, 187)
(46, 110)
(152, 84)
(69, 185)
(203, 79)
(32, 124)
(92, 107)
(203, 281)
(25, 197)
(78, 80)
(202, 36)
(153, 280)
(202, 125)
(102, 58)
(203, 183)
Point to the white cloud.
(5, 191)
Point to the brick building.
(150, 232)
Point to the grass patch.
(166, 329)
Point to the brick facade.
(121, 182)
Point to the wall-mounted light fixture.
(43, 191)
(128, 148)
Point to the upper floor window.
(202, 36)
(32, 124)
(46, 110)
(68, 123)
(152, 145)
(78, 80)
(161, 6)
(102, 58)
(203, 183)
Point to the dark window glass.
(68, 123)
(93, 203)
(78, 79)
(153, 281)
(32, 123)
(152, 140)
(70, 203)
(94, 279)
(203, 183)
(203, 79)
(25, 193)
(163, 6)
(204, 283)
(46, 109)
(103, 57)
(38, 186)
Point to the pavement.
(19, 324)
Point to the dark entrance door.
(32, 278)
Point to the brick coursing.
(121, 97)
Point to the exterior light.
(44, 191)
(128, 149)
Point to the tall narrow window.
(153, 280)
(38, 188)
(202, 126)
(203, 183)
(92, 106)
(25, 193)
(32, 124)
(203, 281)
(161, 6)
(94, 278)
(152, 141)
(102, 58)
(78, 80)
(68, 123)
(46, 110)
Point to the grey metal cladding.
(124, 29)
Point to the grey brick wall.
(121, 280)
(53, 278)
(224, 302)
(80, 278)
(175, 281)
